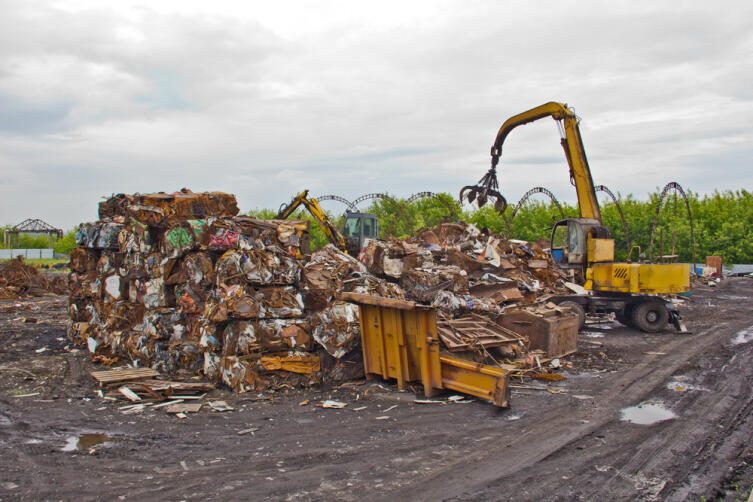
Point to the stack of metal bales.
(180, 282)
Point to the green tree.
(66, 244)
(32, 241)
(722, 222)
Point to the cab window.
(368, 227)
(560, 237)
(352, 227)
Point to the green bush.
(66, 244)
(722, 222)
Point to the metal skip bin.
(399, 340)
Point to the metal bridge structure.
(675, 187)
(32, 226)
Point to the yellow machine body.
(641, 278)
(600, 250)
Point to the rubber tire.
(578, 309)
(650, 317)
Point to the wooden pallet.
(123, 375)
(472, 331)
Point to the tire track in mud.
(490, 473)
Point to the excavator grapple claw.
(485, 191)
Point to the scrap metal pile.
(20, 280)
(180, 282)
(456, 267)
(482, 283)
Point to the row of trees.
(39, 241)
(722, 221)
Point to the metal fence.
(7, 254)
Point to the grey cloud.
(156, 101)
(18, 116)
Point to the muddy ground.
(565, 443)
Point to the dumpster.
(399, 341)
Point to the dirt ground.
(563, 440)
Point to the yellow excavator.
(357, 229)
(585, 246)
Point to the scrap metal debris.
(21, 280)
(180, 281)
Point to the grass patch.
(18, 392)
(43, 262)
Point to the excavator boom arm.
(311, 204)
(571, 143)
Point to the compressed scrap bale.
(256, 267)
(248, 302)
(198, 270)
(99, 235)
(275, 335)
(179, 282)
(238, 374)
(337, 329)
(83, 260)
(324, 274)
(182, 237)
(338, 370)
(157, 208)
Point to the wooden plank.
(183, 408)
(123, 375)
(132, 396)
(162, 385)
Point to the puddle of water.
(681, 383)
(86, 441)
(647, 413)
(743, 336)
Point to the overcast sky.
(263, 99)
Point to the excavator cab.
(359, 227)
(576, 242)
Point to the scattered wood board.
(132, 396)
(163, 385)
(123, 375)
(183, 408)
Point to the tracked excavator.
(358, 227)
(585, 246)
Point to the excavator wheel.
(649, 316)
(578, 309)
